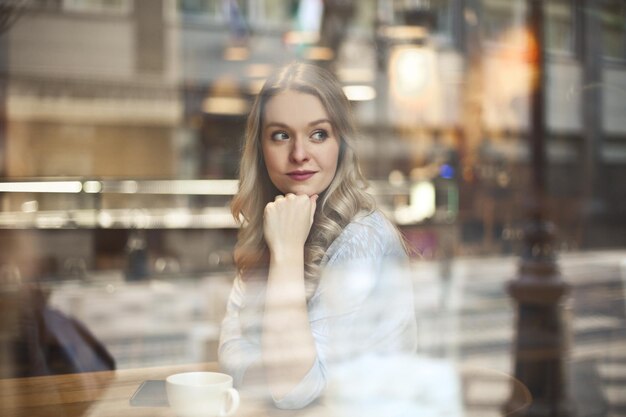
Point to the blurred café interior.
(121, 123)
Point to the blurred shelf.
(214, 216)
(173, 187)
(181, 218)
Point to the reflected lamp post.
(539, 290)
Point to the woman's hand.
(287, 222)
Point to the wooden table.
(107, 394)
(104, 394)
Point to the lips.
(301, 175)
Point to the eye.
(319, 135)
(279, 136)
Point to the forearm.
(287, 343)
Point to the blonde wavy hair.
(344, 198)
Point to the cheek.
(272, 160)
(333, 158)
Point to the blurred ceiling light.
(51, 221)
(236, 53)
(140, 218)
(41, 187)
(404, 33)
(225, 105)
(122, 187)
(518, 45)
(194, 187)
(179, 218)
(359, 92)
(259, 70)
(30, 206)
(423, 200)
(422, 204)
(519, 55)
(218, 217)
(225, 85)
(319, 53)
(296, 37)
(92, 187)
(356, 75)
(418, 173)
(396, 178)
(181, 187)
(128, 187)
(409, 70)
(255, 86)
(105, 219)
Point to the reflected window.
(271, 13)
(442, 10)
(215, 10)
(98, 6)
(439, 14)
(207, 9)
(500, 16)
(365, 14)
(262, 13)
(613, 15)
(559, 31)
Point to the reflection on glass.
(559, 26)
(613, 15)
(120, 131)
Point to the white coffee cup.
(202, 394)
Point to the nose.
(299, 152)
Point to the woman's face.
(300, 147)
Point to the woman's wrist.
(294, 254)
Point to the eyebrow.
(313, 123)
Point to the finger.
(279, 197)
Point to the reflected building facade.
(120, 94)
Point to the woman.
(319, 268)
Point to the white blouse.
(362, 305)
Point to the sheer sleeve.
(236, 351)
(240, 346)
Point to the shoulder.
(367, 235)
(367, 258)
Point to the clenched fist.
(287, 222)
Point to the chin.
(301, 191)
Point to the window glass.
(98, 6)
(559, 34)
(365, 14)
(205, 8)
(442, 10)
(614, 29)
(499, 16)
(275, 11)
(440, 13)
